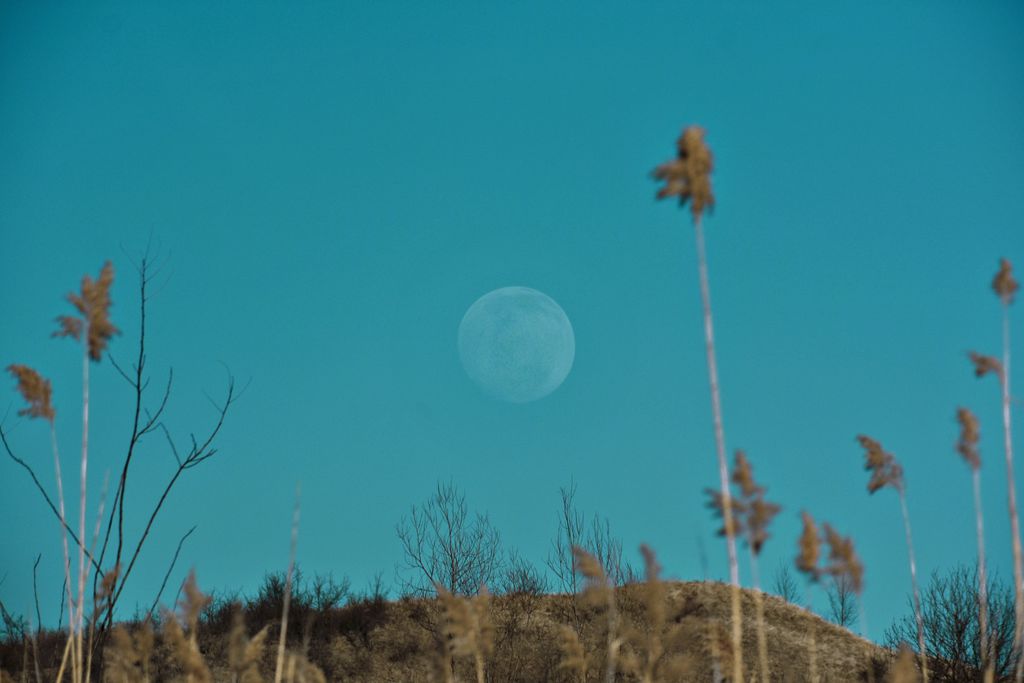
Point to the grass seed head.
(885, 471)
(743, 475)
(36, 391)
(809, 548)
(904, 668)
(716, 502)
(759, 515)
(93, 304)
(843, 560)
(985, 364)
(688, 176)
(970, 432)
(574, 659)
(1004, 284)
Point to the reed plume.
(129, 656)
(688, 177)
(807, 558)
(467, 629)
(599, 592)
(244, 653)
(279, 667)
(887, 472)
(185, 644)
(967, 447)
(757, 515)
(574, 659)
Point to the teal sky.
(331, 185)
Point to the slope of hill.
(372, 640)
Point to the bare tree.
(521, 577)
(597, 540)
(444, 546)
(842, 601)
(784, 584)
(950, 613)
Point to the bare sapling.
(688, 177)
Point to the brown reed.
(184, 644)
(598, 592)
(279, 667)
(887, 472)
(467, 629)
(967, 447)
(574, 659)
(807, 558)
(1005, 287)
(244, 653)
(688, 176)
(94, 329)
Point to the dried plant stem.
(1018, 557)
(919, 618)
(92, 549)
(723, 468)
(982, 577)
(288, 590)
(82, 571)
(613, 643)
(68, 647)
(63, 529)
(762, 636)
(812, 645)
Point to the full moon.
(517, 344)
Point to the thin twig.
(169, 570)
(46, 496)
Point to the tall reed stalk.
(688, 177)
(279, 668)
(92, 327)
(967, 446)
(1005, 286)
(886, 472)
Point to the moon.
(516, 344)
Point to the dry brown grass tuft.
(1004, 285)
(467, 629)
(688, 176)
(129, 655)
(810, 548)
(984, 365)
(185, 645)
(598, 593)
(970, 433)
(244, 653)
(903, 669)
(574, 658)
(36, 391)
(885, 471)
(93, 304)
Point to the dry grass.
(667, 632)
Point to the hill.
(373, 640)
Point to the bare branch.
(46, 496)
(163, 585)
